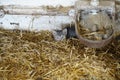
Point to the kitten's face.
(59, 35)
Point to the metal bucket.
(92, 43)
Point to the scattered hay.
(28, 55)
(96, 27)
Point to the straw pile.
(28, 55)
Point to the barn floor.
(28, 55)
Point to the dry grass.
(96, 27)
(35, 56)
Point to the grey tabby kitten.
(59, 35)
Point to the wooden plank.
(38, 10)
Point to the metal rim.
(92, 43)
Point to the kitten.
(59, 35)
(67, 33)
(71, 33)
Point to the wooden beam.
(36, 10)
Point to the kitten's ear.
(65, 31)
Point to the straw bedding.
(28, 55)
(96, 27)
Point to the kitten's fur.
(67, 32)
(59, 35)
